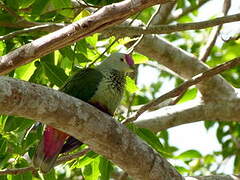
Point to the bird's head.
(120, 61)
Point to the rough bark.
(103, 18)
(184, 64)
(79, 119)
(192, 111)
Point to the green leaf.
(150, 138)
(25, 72)
(209, 159)
(190, 154)
(68, 52)
(81, 15)
(38, 7)
(81, 46)
(91, 171)
(181, 169)
(237, 165)
(139, 58)
(189, 95)
(87, 159)
(81, 58)
(130, 85)
(3, 145)
(14, 4)
(105, 168)
(17, 123)
(2, 48)
(26, 3)
(50, 175)
(208, 124)
(92, 40)
(55, 74)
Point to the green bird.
(101, 87)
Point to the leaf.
(17, 123)
(87, 159)
(38, 7)
(92, 40)
(189, 95)
(68, 52)
(209, 159)
(3, 145)
(55, 74)
(181, 169)
(2, 48)
(50, 175)
(25, 72)
(190, 154)
(26, 3)
(150, 138)
(208, 124)
(130, 85)
(81, 58)
(139, 58)
(61, 4)
(91, 171)
(82, 14)
(236, 164)
(81, 46)
(105, 168)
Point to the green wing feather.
(83, 84)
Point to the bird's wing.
(83, 84)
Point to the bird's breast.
(110, 91)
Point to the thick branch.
(103, 18)
(184, 64)
(184, 86)
(79, 119)
(166, 29)
(192, 111)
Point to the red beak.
(129, 60)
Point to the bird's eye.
(122, 59)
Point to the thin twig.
(186, 11)
(184, 86)
(112, 42)
(214, 34)
(10, 11)
(44, 27)
(131, 49)
(61, 160)
(233, 38)
(164, 13)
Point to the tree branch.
(61, 160)
(189, 112)
(166, 29)
(103, 18)
(214, 34)
(185, 11)
(186, 65)
(184, 86)
(164, 13)
(86, 123)
(43, 27)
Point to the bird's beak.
(130, 62)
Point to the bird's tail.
(49, 149)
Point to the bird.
(102, 87)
